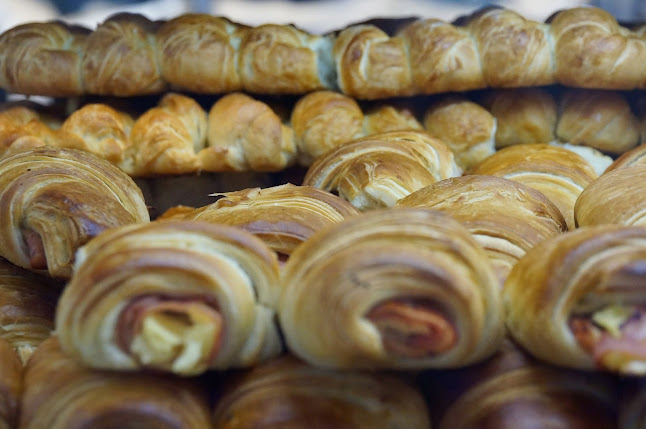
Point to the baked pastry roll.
(34, 50)
(55, 200)
(599, 119)
(560, 174)
(399, 288)
(378, 170)
(175, 296)
(11, 373)
(506, 217)
(282, 216)
(634, 156)
(61, 393)
(466, 127)
(246, 134)
(523, 115)
(27, 305)
(389, 117)
(616, 197)
(597, 159)
(122, 39)
(286, 392)
(574, 300)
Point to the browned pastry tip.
(198, 53)
(387, 117)
(599, 119)
(523, 115)
(591, 50)
(52, 49)
(246, 134)
(466, 127)
(122, 39)
(370, 64)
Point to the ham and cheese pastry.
(27, 306)
(54, 200)
(288, 393)
(398, 288)
(175, 296)
(560, 174)
(577, 299)
(61, 393)
(378, 170)
(282, 216)
(506, 217)
(11, 386)
(616, 197)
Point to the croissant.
(11, 373)
(287, 393)
(574, 300)
(61, 393)
(27, 305)
(635, 156)
(377, 171)
(176, 296)
(506, 217)
(397, 288)
(54, 200)
(467, 128)
(616, 197)
(282, 216)
(560, 174)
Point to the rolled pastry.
(175, 296)
(397, 288)
(282, 216)
(635, 156)
(54, 200)
(506, 217)
(377, 171)
(576, 299)
(288, 393)
(616, 197)
(60, 393)
(11, 386)
(27, 306)
(560, 174)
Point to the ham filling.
(616, 343)
(182, 334)
(413, 329)
(35, 249)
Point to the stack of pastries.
(404, 223)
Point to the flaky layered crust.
(397, 288)
(287, 393)
(11, 386)
(574, 300)
(377, 171)
(61, 393)
(177, 296)
(54, 200)
(506, 217)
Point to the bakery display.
(286, 392)
(506, 217)
(174, 296)
(399, 288)
(575, 300)
(61, 393)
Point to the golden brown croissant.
(560, 174)
(635, 156)
(393, 288)
(287, 393)
(282, 216)
(11, 385)
(506, 217)
(576, 299)
(467, 128)
(616, 197)
(27, 305)
(177, 296)
(60, 393)
(54, 200)
(378, 170)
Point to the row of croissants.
(501, 298)
(130, 55)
